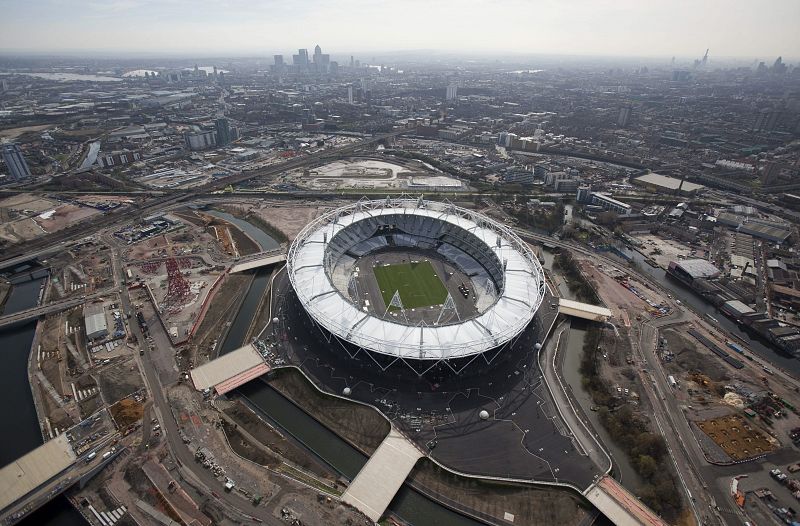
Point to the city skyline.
(654, 29)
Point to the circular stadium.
(418, 281)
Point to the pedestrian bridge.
(620, 505)
(583, 310)
(382, 476)
(262, 259)
(230, 370)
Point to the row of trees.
(646, 450)
(577, 283)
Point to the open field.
(417, 283)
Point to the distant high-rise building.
(770, 173)
(300, 60)
(624, 116)
(766, 120)
(452, 92)
(17, 167)
(779, 67)
(279, 67)
(224, 135)
(3, 86)
(349, 94)
(200, 140)
(680, 75)
(584, 194)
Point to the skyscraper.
(350, 94)
(624, 116)
(223, 132)
(17, 167)
(452, 92)
(279, 67)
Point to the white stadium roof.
(518, 301)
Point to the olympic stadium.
(422, 283)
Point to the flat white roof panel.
(522, 293)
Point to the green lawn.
(418, 284)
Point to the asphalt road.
(171, 433)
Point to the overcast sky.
(683, 28)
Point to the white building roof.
(520, 298)
(34, 469)
(671, 183)
(95, 319)
(226, 367)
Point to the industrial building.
(609, 203)
(94, 317)
(664, 184)
(691, 269)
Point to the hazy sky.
(745, 28)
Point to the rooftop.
(226, 367)
(34, 469)
(698, 268)
(670, 183)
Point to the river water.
(264, 240)
(408, 504)
(20, 432)
(724, 324)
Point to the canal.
(724, 324)
(20, 432)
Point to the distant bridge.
(49, 308)
(583, 310)
(262, 259)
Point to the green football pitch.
(418, 284)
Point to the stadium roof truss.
(520, 282)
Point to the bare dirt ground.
(120, 381)
(65, 216)
(13, 133)
(288, 218)
(28, 203)
(20, 230)
(221, 309)
(669, 249)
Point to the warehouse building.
(94, 317)
(669, 185)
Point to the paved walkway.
(379, 480)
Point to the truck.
(106, 455)
(672, 382)
(91, 456)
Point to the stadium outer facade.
(323, 256)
